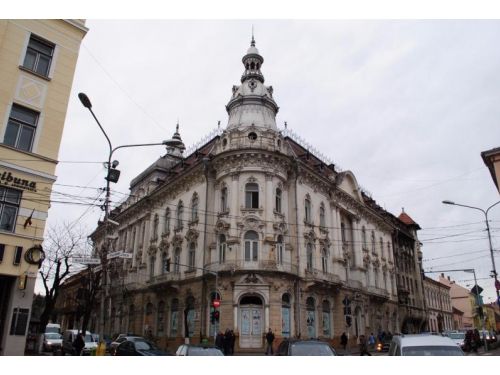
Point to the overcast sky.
(407, 106)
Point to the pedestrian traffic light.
(347, 310)
(216, 315)
(212, 317)
(346, 302)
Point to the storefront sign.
(8, 179)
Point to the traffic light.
(212, 317)
(216, 315)
(348, 320)
(479, 311)
(347, 310)
(167, 265)
(113, 175)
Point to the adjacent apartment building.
(439, 306)
(37, 65)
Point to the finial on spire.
(177, 126)
(252, 44)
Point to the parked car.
(53, 328)
(122, 338)
(138, 346)
(457, 337)
(52, 342)
(198, 350)
(69, 337)
(295, 347)
(383, 346)
(423, 345)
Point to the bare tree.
(61, 243)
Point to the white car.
(424, 345)
(457, 337)
(52, 342)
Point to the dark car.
(305, 348)
(138, 347)
(122, 338)
(383, 346)
(198, 350)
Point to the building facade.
(439, 306)
(37, 64)
(254, 219)
(463, 300)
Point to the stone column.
(266, 316)
(235, 317)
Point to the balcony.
(378, 292)
(318, 276)
(261, 265)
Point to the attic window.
(252, 136)
(224, 142)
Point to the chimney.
(442, 275)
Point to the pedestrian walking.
(269, 340)
(343, 341)
(231, 343)
(227, 342)
(371, 341)
(79, 344)
(363, 348)
(219, 340)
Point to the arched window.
(363, 238)
(285, 315)
(324, 260)
(166, 226)
(251, 246)
(326, 319)
(251, 195)
(156, 222)
(342, 233)
(191, 255)
(309, 256)
(180, 209)
(381, 247)
(280, 249)
(311, 317)
(222, 248)
(160, 320)
(177, 259)
(223, 199)
(143, 232)
(194, 207)
(152, 267)
(373, 243)
(189, 317)
(307, 209)
(322, 222)
(278, 200)
(174, 317)
(389, 256)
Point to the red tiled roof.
(407, 219)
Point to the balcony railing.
(314, 274)
(378, 291)
(261, 265)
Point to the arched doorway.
(251, 321)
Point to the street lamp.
(112, 176)
(495, 275)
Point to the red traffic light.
(216, 303)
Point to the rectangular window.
(21, 128)
(39, 56)
(19, 321)
(2, 250)
(9, 205)
(17, 255)
(247, 251)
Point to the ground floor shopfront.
(170, 312)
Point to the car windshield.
(143, 345)
(311, 349)
(53, 336)
(204, 351)
(432, 351)
(456, 335)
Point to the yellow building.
(37, 65)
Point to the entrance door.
(251, 322)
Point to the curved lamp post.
(112, 176)
(485, 212)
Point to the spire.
(252, 44)
(175, 146)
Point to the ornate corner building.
(37, 64)
(254, 219)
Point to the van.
(53, 328)
(423, 345)
(70, 335)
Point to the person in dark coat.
(343, 341)
(363, 347)
(227, 342)
(79, 344)
(269, 340)
(231, 344)
(219, 340)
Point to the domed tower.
(252, 102)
